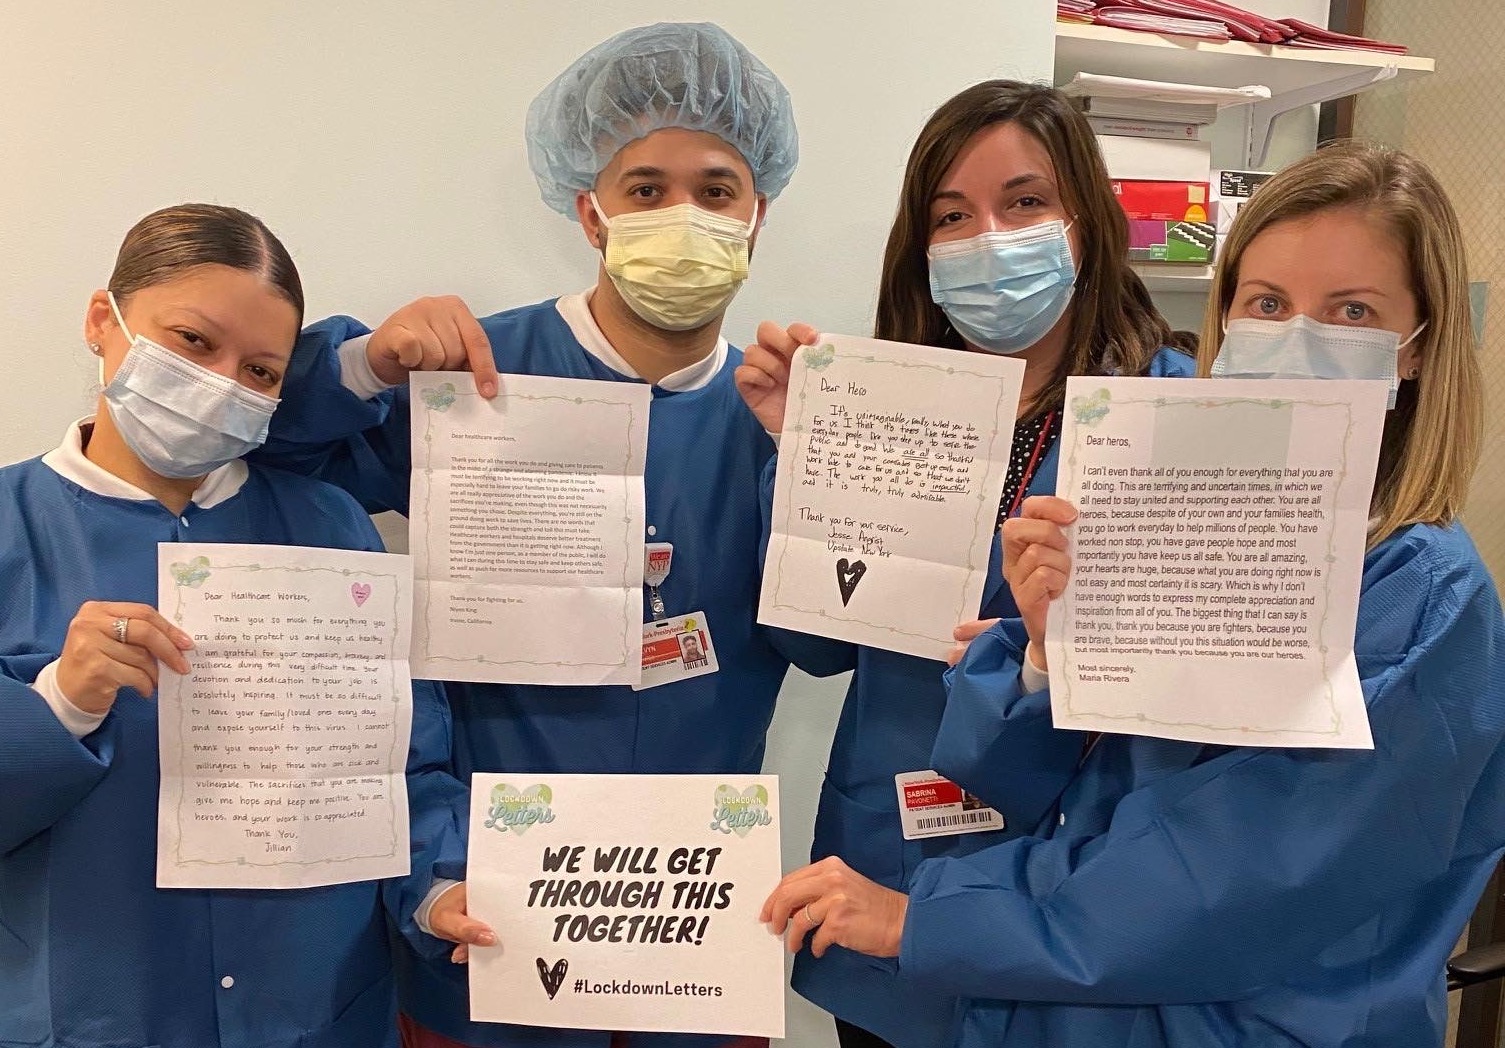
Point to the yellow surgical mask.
(676, 267)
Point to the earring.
(95, 348)
(1413, 372)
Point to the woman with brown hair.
(1007, 240)
(194, 333)
(1180, 895)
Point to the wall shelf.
(1174, 278)
(1295, 76)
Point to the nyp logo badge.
(738, 813)
(516, 810)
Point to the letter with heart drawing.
(360, 592)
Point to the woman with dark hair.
(194, 332)
(1007, 240)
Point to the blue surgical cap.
(675, 74)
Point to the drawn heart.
(361, 592)
(552, 978)
(847, 577)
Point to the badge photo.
(676, 649)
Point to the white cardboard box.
(1156, 158)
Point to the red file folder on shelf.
(1212, 20)
(1313, 36)
(1238, 23)
(1121, 17)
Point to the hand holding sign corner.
(448, 919)
(835, 905)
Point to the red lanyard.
(1034, 459)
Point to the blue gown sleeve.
(44, 770)
(438, 810)
(817, 656)
(438, 803)
(997, 741)
(321, 429)
(1220, 879)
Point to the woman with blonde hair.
(1180, 894)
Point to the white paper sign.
(1217, 559)
(891, 465)
(626, 902)
(526, 528)
(283, 750)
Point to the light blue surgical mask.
(1003, 291)
(1305, 348)
(182, 420)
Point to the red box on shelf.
(1167, 220)
(1161, 201)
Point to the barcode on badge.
(967, 818)
(931, 805)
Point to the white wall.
(382, 140)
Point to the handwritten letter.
(283, 749)
(891, 465)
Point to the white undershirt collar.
(575, 309)
(68, 461)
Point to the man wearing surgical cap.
(667, 144)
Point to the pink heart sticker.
(361, 591)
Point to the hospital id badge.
(676, 648)
(930, 806)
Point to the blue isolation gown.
(888, 725)
(706, 452)
(1179, 895)
(92, 954)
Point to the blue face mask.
(182, 420)
(1003, 291)
(1305, 348)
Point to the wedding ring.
(121, 625)
(809, 919)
